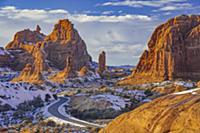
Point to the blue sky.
(120, 27)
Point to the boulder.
(175, 113)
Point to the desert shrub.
(5, 107)
(96, 114)
(30, 105)
(148, 92)
(47, 97)
(55, 96)
(79, 91)
(51, 124)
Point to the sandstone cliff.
(173, 52)
(175, 113)
(47, 53)
(25, 39)
(65, 42)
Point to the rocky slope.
(175, 113)
(173, 52)
(47, 53)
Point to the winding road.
(54, 110)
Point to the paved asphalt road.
(53, 109)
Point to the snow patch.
(117, 102)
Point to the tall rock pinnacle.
(102, 62)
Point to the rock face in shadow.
(171, 113)
(173, 52)
(68, 72)
(5, 58)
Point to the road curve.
(53, 110)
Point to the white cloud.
(123, 37)
(174, 7)
(112, 18)
(141, 3)
(30, 14)
(107, 12)
(49, 15)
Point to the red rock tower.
(102, 62)
(38, 29)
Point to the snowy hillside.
(16, 93)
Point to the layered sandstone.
(102, 63)
(173, 52)
(175, 113)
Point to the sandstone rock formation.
(29, 74)
(25, 39)
(47, 53)
(68, 72)
(102, 63)
(173, 52)
(23, 46)
(171, 113)
(65, 42)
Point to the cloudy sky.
(120, 27)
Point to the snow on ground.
(185, 84)
(3, 52)
(117, 102)
(16, 93)
(192, 91)
(137, 94)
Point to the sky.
(122, 28)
